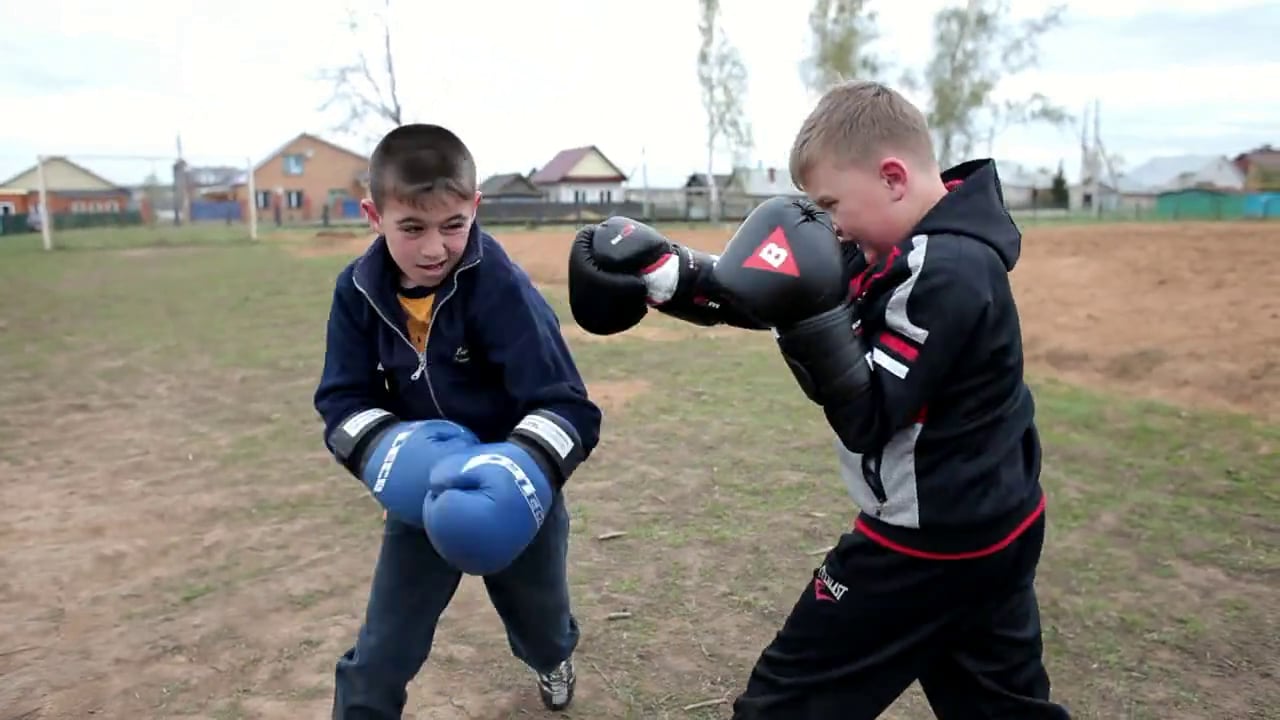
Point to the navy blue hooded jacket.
(494, 350)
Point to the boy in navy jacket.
(435, 321)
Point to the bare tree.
(723, 78)
(841, 34)
(975, 47)
(366, 88)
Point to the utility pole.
(644, 179)
(1086, 178)
(179, 185)
(1096, 157)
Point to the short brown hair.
(855, 119)
(416, 160)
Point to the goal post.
(109, 200)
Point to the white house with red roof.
(581, 175)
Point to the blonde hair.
(853, 121)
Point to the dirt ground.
(1186, 313)
(174, 546)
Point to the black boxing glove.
(609, 259)
(785, 266)
(603, 302)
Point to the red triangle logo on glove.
(774, 255)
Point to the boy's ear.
(476, 204)
(371, 212)
(893, 173)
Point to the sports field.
(175, 541)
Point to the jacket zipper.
(422, 358)
(421, 371)
(871, 473)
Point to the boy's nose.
(432, 244)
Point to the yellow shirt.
(418, 311)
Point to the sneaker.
(556, 687)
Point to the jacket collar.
(376, 274)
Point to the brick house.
(303, 176)
(70, 188)
(1260, 167)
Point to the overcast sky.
(520, 80)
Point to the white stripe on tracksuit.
(897, 461)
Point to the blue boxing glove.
(485, 505)
(394, 459)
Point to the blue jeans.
(412, 586)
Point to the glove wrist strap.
(354, 436)
(696, 297)
(552, 442)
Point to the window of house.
(293, 164)
(8, 208)
(579, 196)
(293, 199)
(606, 196)
(264, 199)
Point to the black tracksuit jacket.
(943, 458)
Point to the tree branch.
(359, 90)
(976, 47)
(841, 34)
(723, 80)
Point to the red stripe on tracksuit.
(1002, 543)
(899, 346)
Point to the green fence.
(1203, 205)
(17, 223)
(14, 224)
(77, 221)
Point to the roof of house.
(59, 158)
(216, 175)
(760, 181)
(1176, 172)
(566, 160)
(509, 184)
(1266, 157)
(312, 136)
(1179, 171)
(699, 179)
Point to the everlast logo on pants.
(824, 588)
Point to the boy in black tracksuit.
(937, 446)
(935, 581)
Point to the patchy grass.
(136, 237)
(176, 541)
